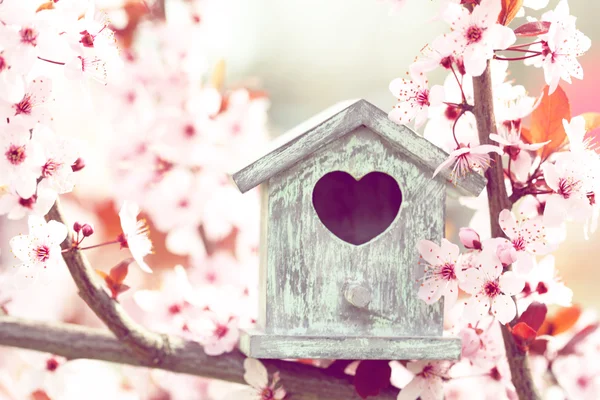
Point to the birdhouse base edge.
(257, 344)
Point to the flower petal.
(504, 308)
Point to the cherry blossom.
(218, 333)
(414, 100)
(135, 234)
(442, 272)
(527, 237)
(31, 108)
(257, 377)
(39, 251)
(509, 136)
(428, 380)
(17, 207)
(477, 34)
(60, 154)
(20, 160)
(470, 238)
(544, 285)
(490, 289)
(467, 159)
(560, 47)
(569, 198)
(578, 375)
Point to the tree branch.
(135, 345)
(498, 201)
(303, 382)
(150, 347)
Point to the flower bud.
(76, 227)
(78, 165)
(506, 253)
(470, 239)
(87, 230)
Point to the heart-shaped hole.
(357, 211)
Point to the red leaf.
(510, 8)
(533, 29)
(118, 273)
(547, 122)
(538, 347)
(535, 315)
(562, 320)
(372, 376)
(524, 335)
(578, 338)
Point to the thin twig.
(498, 201)
(303, 382)
(149, 346)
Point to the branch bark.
(303, 382)
(498, 201)
(135, 345)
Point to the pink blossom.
(477, 34)
(544, 284)
(414, 100)
(491, 290)
(427, 382)
(569, 200)
(560, 47)
(470, 238)
(59, 155)
(578, 375)
(20, 160)
(31, 108)
(39, 251)
(217, 333)
(135, 234)
(527, 237)
(257, 377)
(16, 207)
(442, 273)
(509, 136)
(467, 159)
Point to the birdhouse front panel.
(342, 228)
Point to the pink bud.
(87, 230)
(470, 239)
(77, 227)
(78, 165)
(506, 253)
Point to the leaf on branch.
(49, 5)
(524, 335)
(579, 337)
(114, 279)
(372, 376)
(533, 29)
(592, 126)
(535, 315)
(563, 320)
(547, 122)
(538, 347)
(510, 8)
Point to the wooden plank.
(334, 123)
(260, 345)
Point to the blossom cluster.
(551, 178)
(36, 164)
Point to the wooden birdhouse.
(346, 197)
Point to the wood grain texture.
(306, 268)
(332, 124)
(267, 346)
(302, 382)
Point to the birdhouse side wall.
(307, 267)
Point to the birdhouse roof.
(335, 122)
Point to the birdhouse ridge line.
(334, 123)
